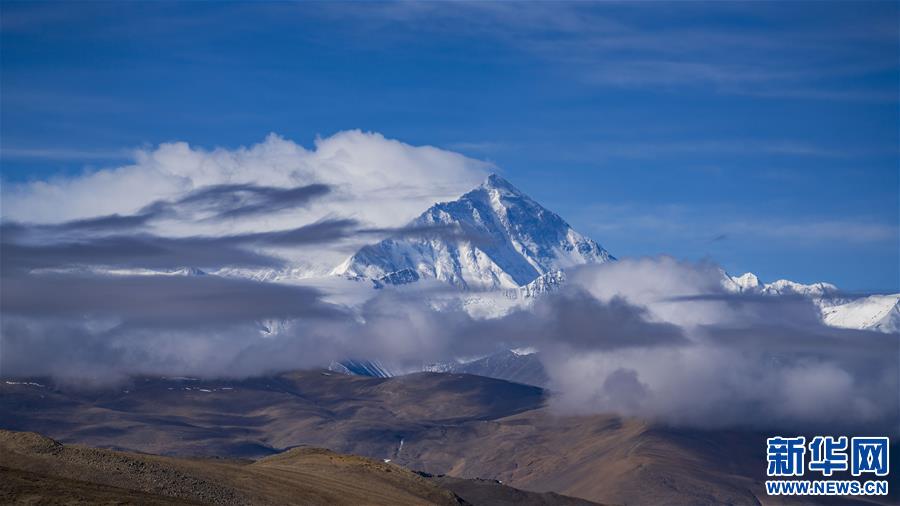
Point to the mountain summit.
(505, 240)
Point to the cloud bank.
(383, 181)
(757, 361)
(699, 358)
(355, 175)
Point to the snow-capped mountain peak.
(497, 183)
(749, 283)
(505, 240)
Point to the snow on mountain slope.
(874, 312)
(508, 240)
(545, 283)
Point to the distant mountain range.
(501, 249)
(504, 242)
(874, 312)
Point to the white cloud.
(712, 360)
(368, 168)
(653, 282)
(380, 182)
(748, 361)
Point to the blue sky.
(761, 135)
